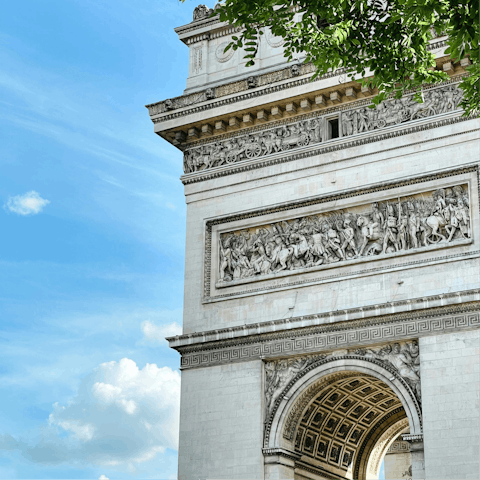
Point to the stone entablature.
(248, 256)
(193, 341)
(313, 129)
(316, 333)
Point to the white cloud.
(103, 477)
(30, 203)
(157, 333)
(121, 415)
(171, 206)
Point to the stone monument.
(332, 276)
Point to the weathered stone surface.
(332, 279)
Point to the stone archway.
(334, 415)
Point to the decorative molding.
(316, 470)
(384, 186)
(221, 55)
(411, 439)
(323, 338)
(380, 447)
(310, 393)
(375, 429)
(247, 145)
(436, 304)
(281, 452)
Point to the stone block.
(305, 104)
(276, 112)
(220, 126)
(291, 108)
(320, 101)
(335, 96)
(262, 116)
(180, 137)
(193, 133)
(247, 119)
(207, 130)
(351, 93)
(366, 90)
(448, 67)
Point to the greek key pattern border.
(384, 186)
(332, 340)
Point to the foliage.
(386, 38)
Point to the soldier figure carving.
(343, 236)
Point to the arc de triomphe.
(332, 278)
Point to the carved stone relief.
(273, 40)
(400, 224)
(310, 131)
(403, 357)
(221, 55)
(201, 12)
(197, 60)
(279, 373)
(393, 112)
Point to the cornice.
(260, 91)
(325, 338)
(323, 321)
(281, 452)
(382, 311)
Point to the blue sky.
(92, 244)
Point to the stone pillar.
(449, 369)
(280, 464)
(398, 461)
(417, 454)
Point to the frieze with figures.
(313, 131)
(402, 224)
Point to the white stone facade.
(254, 346)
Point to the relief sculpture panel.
(403, 225)
(311, 131)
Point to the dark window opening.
(333, 130)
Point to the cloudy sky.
(92, 243)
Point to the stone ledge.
(426, 305)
